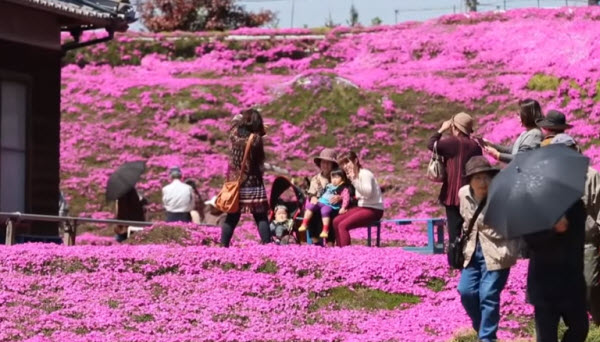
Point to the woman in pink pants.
(368, 193)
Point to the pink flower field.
(169, 98)
(258, 293)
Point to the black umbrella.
(124, 179)
(535, 190)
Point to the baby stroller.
(283, 192)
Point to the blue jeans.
(480, 295)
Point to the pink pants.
(354, 218)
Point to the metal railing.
(69, 224)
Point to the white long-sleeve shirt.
(178, 197)
(368, 191)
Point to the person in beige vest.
(488, 256)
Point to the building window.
(13, 132)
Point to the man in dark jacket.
(555, 282)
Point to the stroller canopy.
(279, 187)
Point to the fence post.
(10, 233)
(70, 233)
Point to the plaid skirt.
(253, 197)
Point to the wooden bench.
(435, 228)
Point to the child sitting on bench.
(339, 186)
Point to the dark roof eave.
(93, 19)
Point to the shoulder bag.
(436, 171)
(456, 257)
(228, 199)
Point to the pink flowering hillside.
(168, 99)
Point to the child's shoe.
(324, 234)
(302, 228)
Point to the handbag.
(436, 171)
(456, 257)
(228, 199)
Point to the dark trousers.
(178, 217)
(121, 237)
(231, 221)
(454, 221)
(591, 271)
(574, 315)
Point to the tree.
(329, 21)
(376, 21)
(472, 5)
(199, 15)
(353, 21)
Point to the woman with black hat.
(488, 256)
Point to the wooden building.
(30, 63)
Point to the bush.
(542, 82)
(198, 15)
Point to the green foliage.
(329, 23)
(50, 305)
(435, 109)
(593, 334)
(359, 297)
(597, 96)
(113, 304)
(142, 318)
(436, 284)
(335, 105)
(81, 330)
(466, 337)
(341, 101)
(542, 82)
(238, 320)
(324, 62)
(353, 20)
(160, 235)
(376, 21)
(269, 266)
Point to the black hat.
(553, 120)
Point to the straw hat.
(327, 154)
(463, 122)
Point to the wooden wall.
(41, 66)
